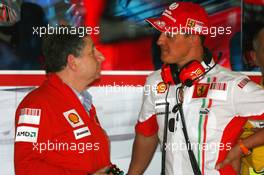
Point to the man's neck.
(194, 54)
(71, 81)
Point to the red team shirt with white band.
(56, 135)
(215, 110)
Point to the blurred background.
(125, 39)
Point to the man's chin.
(166, 60)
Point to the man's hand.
(232, 158)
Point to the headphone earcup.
(191, 72)
(169, 74)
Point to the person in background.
(258, 53)
(24, 43)
(252, 164)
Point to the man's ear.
(72, 62)
(195, 39)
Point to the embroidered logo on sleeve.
(249, 86)
(161, 88)
(201, 90)
(73, 118)
(204, 111)
(81, 132)
(29, 116)
(243, 83)
(26, 134)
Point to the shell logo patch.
(161, 88)
(198, 72)
(73, 118)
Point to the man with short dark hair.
(258, 53)
(253, 135)
(57, 130)
(198, 108)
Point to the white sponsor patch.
(26, 134)
(173, 6)
(251, 86)
(198, 27)
(160, 23)
(218, 91)
(73, 118)
(217, 94)
(243, 83)
(257, 123)
(81, 132)
(29, 116)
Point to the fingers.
(222, 164)
(256, 129)
(236, 165)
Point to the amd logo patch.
(26, 134)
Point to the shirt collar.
(85, 98)
(208, 66)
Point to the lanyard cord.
(165, 132)
(195, 166)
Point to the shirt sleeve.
(34, 145)
(248, 99)
(29, 132)
(147, 122)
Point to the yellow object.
(256, 159)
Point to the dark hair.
(57, 47)
(202, 37)
(256, 38)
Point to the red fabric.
(231, 135)
(123, 55)
(54, 98)
(256, 2)
(181, 15)
(148, 127)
